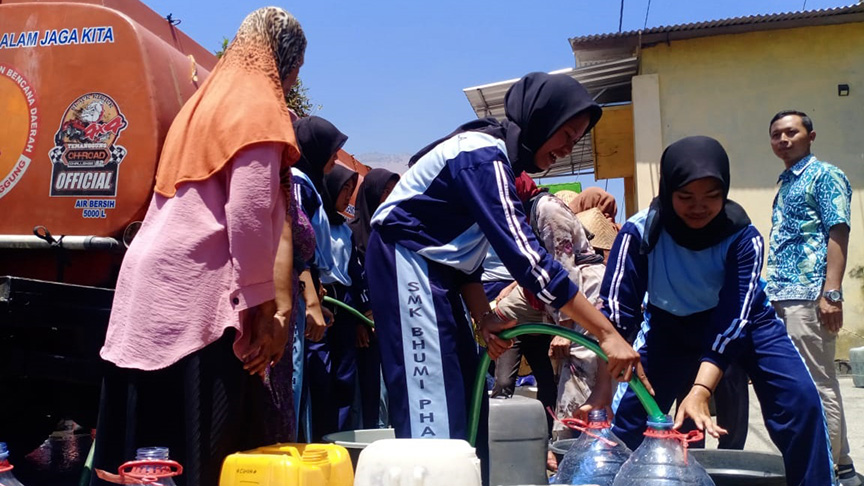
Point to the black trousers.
(203, 408)
(732, 401)
(535, 348)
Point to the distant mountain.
(393, 162)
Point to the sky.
(390, 73)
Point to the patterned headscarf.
(278, 29)
(205, 136)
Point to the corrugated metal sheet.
(488, 100)
(811, 17)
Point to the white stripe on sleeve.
(617, 276)
(521, 240)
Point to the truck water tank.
(88, 90)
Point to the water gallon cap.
(665, 424)
(144, 453)
(4, 451)
(597, 415)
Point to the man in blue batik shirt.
(806, 261)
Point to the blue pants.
(790, 403)
(369, 381)
(331, 370)
(732, 400)
(298, 357)
(428, 352)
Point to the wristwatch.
(833, 295)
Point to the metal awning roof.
(601, 80)
(786, 20)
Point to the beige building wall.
(647, 137)
(728, 87)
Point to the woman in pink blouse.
(198, 308)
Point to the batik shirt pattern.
(813, 197)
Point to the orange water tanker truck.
(88, 89)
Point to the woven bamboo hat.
(566, 195)
(604, 230)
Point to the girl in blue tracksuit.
(319, 142)
(697, 258)
(332, 386)
(376, 186)
(429, 239)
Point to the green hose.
(355, 312)
(87, 470)
(654, 413)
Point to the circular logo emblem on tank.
(19, 126)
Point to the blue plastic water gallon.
(595, 457)
(151, 465)
(662, 460)
(6, 476)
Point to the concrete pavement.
(853, 403)
(757, 436)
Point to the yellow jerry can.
(289, 465)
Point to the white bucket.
(418, 462)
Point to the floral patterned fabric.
(281, 410)
(813, 197)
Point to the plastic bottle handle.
(685, 439)
(581, 426)
(692, 436)
(127, 470)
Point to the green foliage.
(297, 99)
(221, 51)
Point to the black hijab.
(333, 184)
(536, 106)
(368, 200)
(683, 162)
(318, 140)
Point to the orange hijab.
(240, 104)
